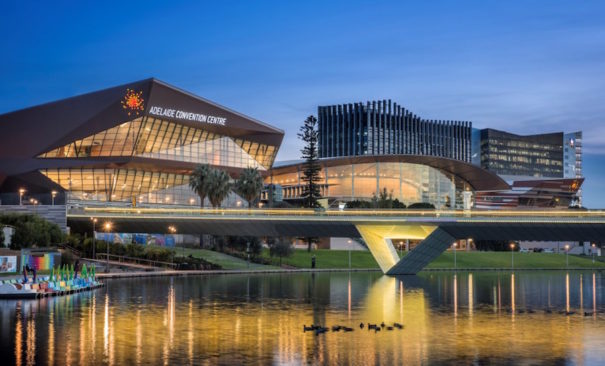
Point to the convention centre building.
(133, 144)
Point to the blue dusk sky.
(524, 66)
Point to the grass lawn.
(224, 260)
(503, 260)
(363, 259)
(325, 258)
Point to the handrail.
(136, 260)
(336, 212)
(72, 249)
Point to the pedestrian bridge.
(437, 229)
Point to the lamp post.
(172, 230)
(21, 193)
(566, 255)
(349, 242)
(592, 249)
(248, 253)
(455, 261)
(400, 249)
(107, 228)
(53, 194)
(94, 234)
(512, 256)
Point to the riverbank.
(463, 260)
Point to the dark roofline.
(479, 178)
(536, 135)
(74, 97)
(216, 104)
(148, 80)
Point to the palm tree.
(219, 187)
(249, 185)
(199, 181)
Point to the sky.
(521, 66)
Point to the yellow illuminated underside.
(382, 249)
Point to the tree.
(32, 230)
(199, 181)
(279, 247)
(249, 185)
(219, 187)
(310, 192)
(309, 135)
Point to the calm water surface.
(468, 318)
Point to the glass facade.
(382, 127)
(158, 139)
(572, 160)
(410, 183)
(531, 156)
(152, 138)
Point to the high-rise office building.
(543, 170)
(572, 158)
(385, 128)
(507, 154)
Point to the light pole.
(455, 261)
(53, 194)
(566, 255)
(512, 256)
(107, 228)
(400, 249)
(349, 242)
(172, 230)
(593, 250)
(94, 234)
(21, 193)
(248, 253)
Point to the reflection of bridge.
(437, 229)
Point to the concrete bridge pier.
(377, 238)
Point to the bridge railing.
(150, 212)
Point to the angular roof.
(29, 132)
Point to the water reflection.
(448, 318)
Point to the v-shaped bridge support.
(378, 238)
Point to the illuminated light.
(133, 102)
(192, 201)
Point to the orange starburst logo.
(133, 102)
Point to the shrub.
(32, 230)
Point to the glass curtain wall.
(159, 139)
(410, 183)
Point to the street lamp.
(107, 228)
(593, 251)
(248, 253)
(400, 248)
(455, 261)
(172, 230)
(566, 255)
(349, 242)
(53, 194)
(21, 193)
(94, 234)
(512, 256)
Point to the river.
(465, 318)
